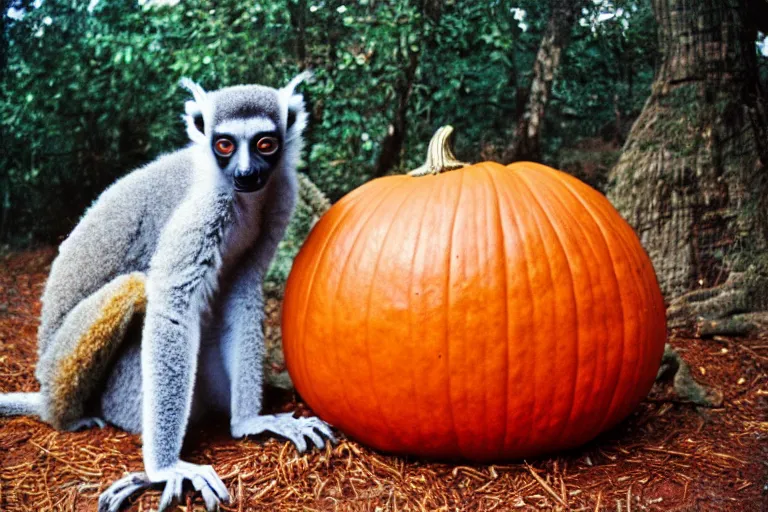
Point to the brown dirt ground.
(667, 456)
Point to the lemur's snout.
(252, 177)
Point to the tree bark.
(298, 13)
(392, 145)
(690, 177)
(527, 139)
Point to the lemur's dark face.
(247, 150)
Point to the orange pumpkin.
(485, 313)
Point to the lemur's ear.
(195, 111)
(295, 113)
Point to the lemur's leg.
(181, 280)
(76, 361)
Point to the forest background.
(90, 91)
(659, 104)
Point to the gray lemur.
(183, 243)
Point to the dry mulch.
(667, 456)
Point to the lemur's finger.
(210, 499)
(297, 438)
(209, 496)
(198, 482)
(171, 493)
(316, 438)
(324, 429)
(331, 438)
(216, 484)
(166, 498)
(111, 499)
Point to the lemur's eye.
(224, 147)
(267, 145)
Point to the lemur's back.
(117, 235)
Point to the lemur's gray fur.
(188, 238)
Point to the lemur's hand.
(203, 479)
(285, 425)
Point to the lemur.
(152, 311)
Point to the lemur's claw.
(296, 430)
(112, 499)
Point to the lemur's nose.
(243, 165)
(251, 167)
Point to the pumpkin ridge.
(530, 355)
(642, 334)
(488, 191)
(552, 346)
(371, 210)
(653, 295)
(658, 310)
(470, 266)
(419, 404)
(536, 310)
(500, 228)
(305, 318)
(568, 424)
(409, 192)
(615, 284)
(615, 386)
(561, 185)
(448, 308)
(644, 297)
(319, 257)
(641, 344)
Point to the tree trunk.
(392, 144)
(527, 139)
(690, 177)
(298, 12)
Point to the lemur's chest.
(247, 222)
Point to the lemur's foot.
(203, 479)
(86, 423)
(285, 425)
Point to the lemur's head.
(250, 130)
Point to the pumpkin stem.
(440, 155)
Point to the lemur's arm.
(243, 317)
(181, 278)
(244, 313)
(244, 306)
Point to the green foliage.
(606, 73)
(87, 96)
